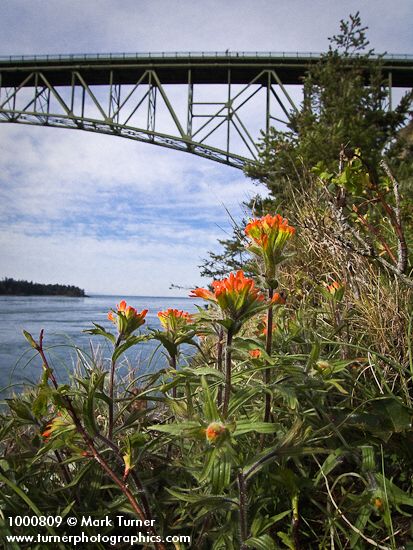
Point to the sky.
(115, 216)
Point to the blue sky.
(118, 216)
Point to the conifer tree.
(345, 106)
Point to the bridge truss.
(205, 104)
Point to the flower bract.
(268, 236)
(178, 328)
(58, 425)
(236, 295)
(335, 290)
(215, 431)
(173, 320)
(126, 318)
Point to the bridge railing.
(178, 55)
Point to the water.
(63, 320)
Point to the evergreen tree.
(345, 107)
(346, 104)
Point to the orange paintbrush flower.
(262, 326)
(121, 306)
(263, 230)
(173, 319)
(335, 285)
(214, 431)
(378, 503)
(255, 353)
(178, 328)
(126, 318)
(335, 290)
(236, 295)
(47, 432)
(202, 293)
(279, 298)
(269, 236)
(58, 424)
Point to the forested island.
(11, 287)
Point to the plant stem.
(364, 248)
(172, 363)
(243, 519)
(396, 221)
(268, 347)
(189, 404)
(228, 369)
(295, 523)
(65, 472)
(220, 349)
(111, 388)
(133, 474)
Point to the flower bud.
(215, 431)
(378, 503)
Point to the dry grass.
(376, 305)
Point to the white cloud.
(46, 26)
(109, 214)
(130, 266)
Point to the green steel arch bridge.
(209, 104)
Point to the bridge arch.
(124, 94)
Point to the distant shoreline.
(44, 294)
(12, 287)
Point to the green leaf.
(288, 395)
(67, 509)
(31, 505)
(285, 447)
(21, 409)
(246, 426)
(171, 347)
(368, 460)
(228, 324)
(385, 416)
(241, 397)
(313, 356)
(80, 474)
(286, 540)
(31, 340)
(363, 516)
(264, 542)
(201, 499)
(183, 429)
(40, 403)
(89, 412)
(329, 464)
(101, 331)
(398, 413)
(131, 341)
(336, 383)
(266, 523)
(178, 408)
(249, 344)
(394, 493)
(210, 408)
(205, 371)
(220, 473)
(135, 415)
(211, 455)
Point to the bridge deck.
(173, 68)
